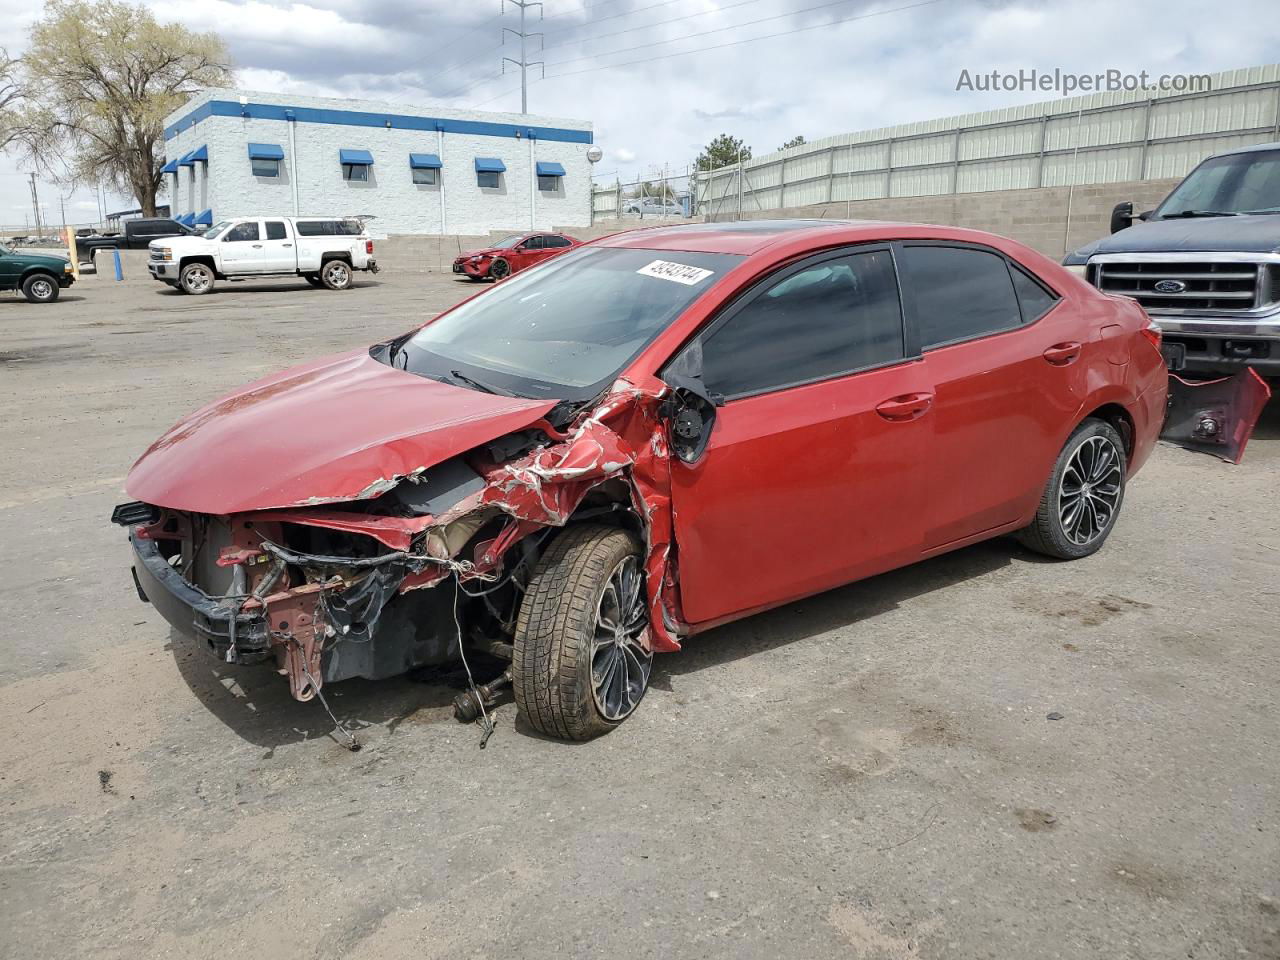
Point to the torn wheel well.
(1118, 417)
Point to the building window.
(424, 176)
(549, 174)
(488, 178)
(265, 168)
(549, 184)
(358, 172)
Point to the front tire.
(580, 667)
(500, 269)
(196, 279)
(336, 274)
(1083, 496)
(40, 288)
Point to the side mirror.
(1121, 216)
(690, 410)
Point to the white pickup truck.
(324, 250)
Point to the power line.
(453, 43)
(649, 26)
(614, 16)
(736, 26)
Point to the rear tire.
(40, 288)
(196, 279)
(1083, 497)
(335, 274)
(579, 668)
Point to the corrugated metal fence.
(1100, 138)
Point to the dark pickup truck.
(136, 235)
(1205, 264)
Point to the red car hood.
(485, 252)
(342, 428)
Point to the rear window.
(328, 228)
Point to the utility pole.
(35, 205)
(523, 63)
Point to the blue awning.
(187, 219)
(490, 165)
(170, 167)
(203, 218)
(186, 160)
(424, 161)
(200, 153)
(266, 151)
(548, 169)
(355, 156)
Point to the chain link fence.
(662, 193)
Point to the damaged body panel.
(576, 428)
(1215, 416)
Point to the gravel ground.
(869, 773)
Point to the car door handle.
(909, 406)
(257, 246)
(1060, 354)
(286, 244)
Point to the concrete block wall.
(312, 171)
(1037, 217)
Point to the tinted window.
(533, 243)
(960, 293)
(313, 228)
(242, 231)
(831, 318)
(355, 171)
(265, 168)
(424, 176)
(550, 184)
(555, 241)
(275, 230)
(1034, 299)
(486, 178)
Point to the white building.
(238, 152)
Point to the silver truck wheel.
(336, 274)
(196, 278)
(40, 288)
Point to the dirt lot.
(870, 773)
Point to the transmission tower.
(523, 63)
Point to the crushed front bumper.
(194, 613)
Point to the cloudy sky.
(659, 79)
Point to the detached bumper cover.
(194, 613)
(1217, 416)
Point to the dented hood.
(343, 428)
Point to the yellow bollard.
(71, 249)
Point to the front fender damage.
(319, 606)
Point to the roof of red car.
(750, 236)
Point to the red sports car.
(512, 254)
(662, 431)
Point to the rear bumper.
(194, 613)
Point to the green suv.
(38, 275)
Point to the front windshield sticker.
(677, 272)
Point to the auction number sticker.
(677, 272)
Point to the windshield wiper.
(1199, 213)
(480, 385)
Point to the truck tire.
(196, 279)
(1083, 497)
(40, 288)
(579, 667)
(335, 274)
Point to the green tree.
(99, 79)
(793, 142)
(723, 151)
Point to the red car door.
(530, 251)
(813, 473)
(1003, 362)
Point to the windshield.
(1236, 183)
(507, 243)
(217, 228)
(566, 329)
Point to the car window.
(552, 241)
(242, 231)
(960, 293)
(533, 243)
(275, 230)
(1034, 299)
(832, 318)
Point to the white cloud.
(624, 155)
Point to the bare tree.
(10, 97)
(99, 80)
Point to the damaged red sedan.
(656, 433)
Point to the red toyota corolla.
(657, 433)
(513, 254)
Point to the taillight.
(368, 246)
(1153, 334)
